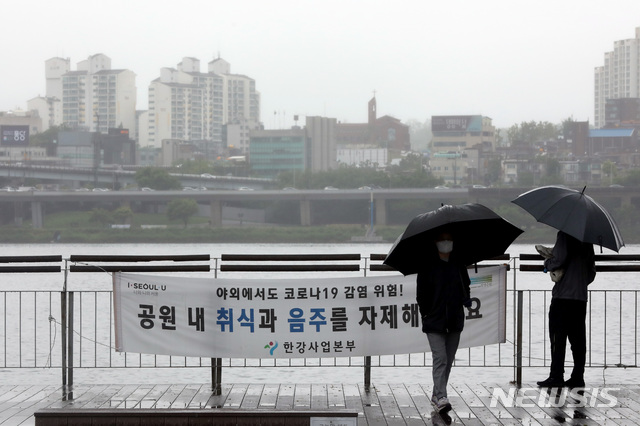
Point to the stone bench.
(189, 417)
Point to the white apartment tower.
(619, 77)
(55, 68)
(94, 97)
(186, 104)
(49, 107)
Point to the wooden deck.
(384, 404)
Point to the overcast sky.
(513, 61)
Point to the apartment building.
(49, 109)
(189, 105)
(618, 78)
(93, 97)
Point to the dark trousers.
(567, 321)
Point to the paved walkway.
(383, 404)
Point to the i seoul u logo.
(272, 347)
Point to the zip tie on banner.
(52, 319)
(55, 334)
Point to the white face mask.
(445, 246)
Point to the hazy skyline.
(511, 61)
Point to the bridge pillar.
(36, 214)
(381, 212)
(305, 212)
(18, 209)
(216, 212)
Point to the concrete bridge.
(114, 178)
(32, 202)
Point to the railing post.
(367, 373)
(63, 324)
(216, 375)
(519, 339)
(70, 347)
(216, 363)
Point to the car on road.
(245, 188)
(441, 187)
(207, 176)
(330, 188)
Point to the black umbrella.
(478, 234)
(572, 212)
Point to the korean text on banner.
(291, 318)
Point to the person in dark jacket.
(442, 291)
(568, 310)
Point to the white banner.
(291, 318)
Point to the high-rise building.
(186, 104)
(618, 78)
(55, 68)
(94, 97)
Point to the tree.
(182, 209)
(609, 169)
(568, 127)
(494, 171)
(530, 133)
(632, 178)
(156, 178)
(48, 139)
(122, 214)
(100, 216)
(525, 178)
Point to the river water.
(311, 374)
(618, 281)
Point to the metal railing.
(74, 329)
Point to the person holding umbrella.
(438, 246)
(568, 310)
(581, 222)
(442, 291)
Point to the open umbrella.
(478, 234)
(572, 212)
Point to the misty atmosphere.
(214, 128)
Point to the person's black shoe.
(551, 382)
(574, 383)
